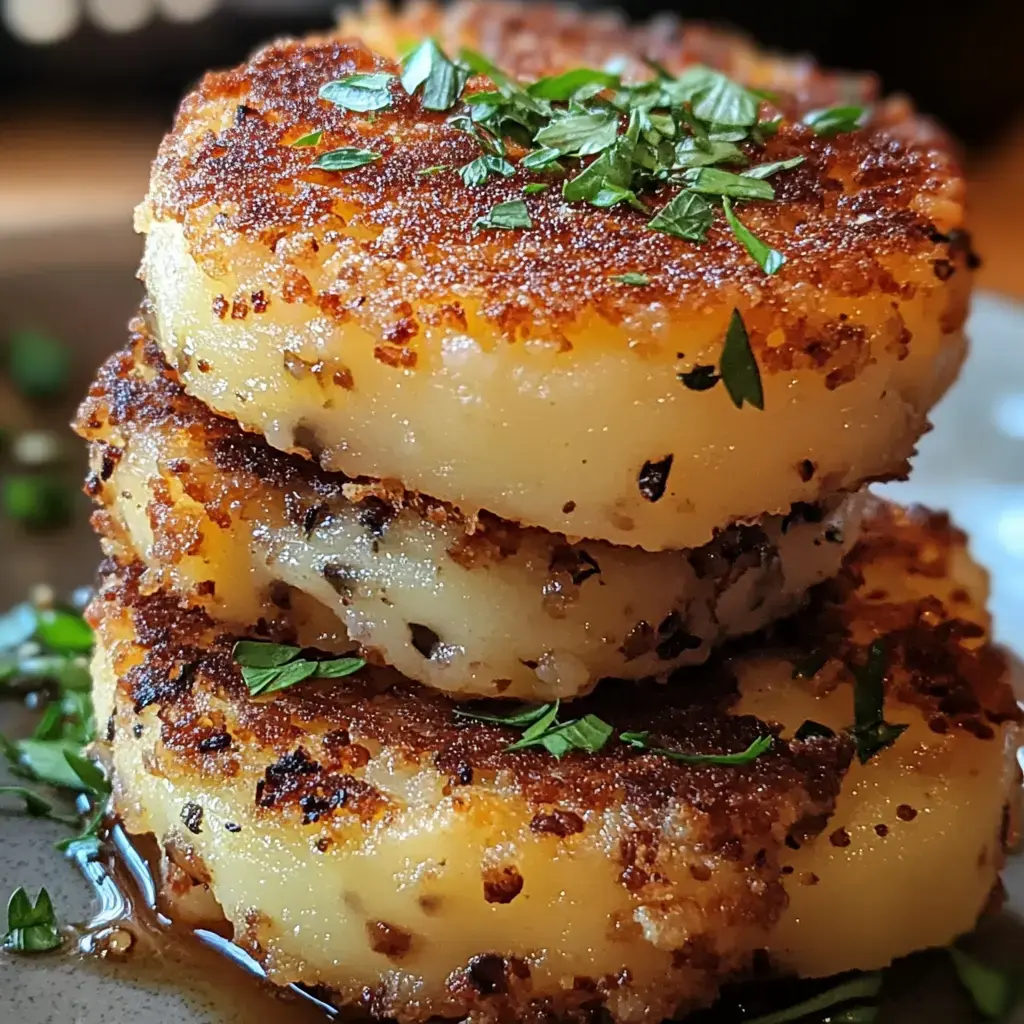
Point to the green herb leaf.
(565, 86)
(534, 187)
(638, 740)
(541, 159)
(738, 367)
(767, 258)
(865, 986)
(36, 501)
(442, 80)
(715, 98)
(31, 928)
(436, 169)
(537, 728)
(767, 170)
(520, 718)
(870, 731)
(993, 992)
(308, 140)
(477, 171)
(345, 159)
(361, 92)
(690, 153)
(63, 631)
(260, 654)
(505, 216)
(270, 680)
(35, 805)
(46, 761)
(687, 216)
(338, 668)
(640, 280)
(715, 182)
(834, 120)
(38, 364)
(89, 774)
(580, 134)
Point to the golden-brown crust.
(861, 208)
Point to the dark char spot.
(653, 478)
(487, 974)
(424, 639)
(218, 741)
(192, 817)
(700, 378)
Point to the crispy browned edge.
(840, 218)
(311, 737)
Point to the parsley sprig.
(268, 668)
(31, 927)
(590, 734)
(621, 140)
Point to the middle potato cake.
(472, 605)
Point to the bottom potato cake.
(361, 837)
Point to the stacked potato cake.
(495, 622)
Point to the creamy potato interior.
(472, 608)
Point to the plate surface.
(971, 464)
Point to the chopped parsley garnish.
(361, 93)
(835, 120)
(36, 501)
(442, 80)
(268, 668)
(620, 140)
(309, 139)
(639, 741)
(589, 734)
(738, 367)
(688, 216)
(534, 187)
(860, 989)
(870, 731)
(31, 928)
(345, 159)
(542, 729)
(767, 258)
(995, 993)
(639, 280)
(505, 216)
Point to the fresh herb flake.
(835, 120)
(738, 367)
(638, 740)
(863, 987)
(715, 182)
(309, 140)
(268, 668)
(360, 93)
(345, 159)
(505, 217)
(534, 187)
(561, 88)
(870, 731)
(687, 216)
(31, 928)
(767, 258)
(767, 170)
(442, 80)
(580, 134)
(994, 993)
(38, 364)
(630, 277)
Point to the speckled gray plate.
(84, 290)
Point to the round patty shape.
(473, 607)
(363, 319)
(361, 836)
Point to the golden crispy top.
(873, 210)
